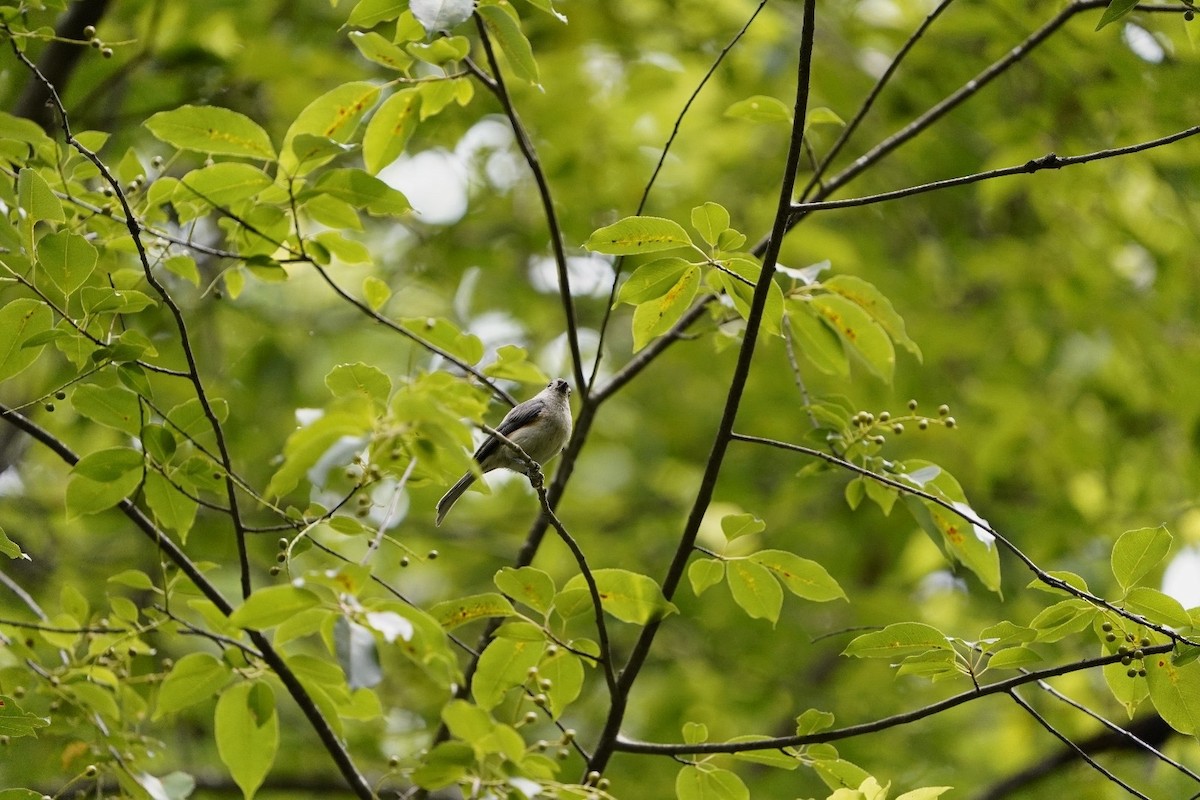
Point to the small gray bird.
(540, 426)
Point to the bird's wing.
(516, 419)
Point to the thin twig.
(974, 520)
(737, 384)
(872, 96)
(1093, 763)
(1048, 161)
(329, 739)
(662, 158)
(885, 723)
(525, 144)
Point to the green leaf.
(527, 585)
(246, 728)
(390, 128)
(1063, 619)
(876, 305)
(1175, 692)
(801, 577)
(504, 665)
(36, 199)
(859, 333)
(779, 759)
(359, 379)
(21, 319)
(813, 720)
(815, 340)
(1013, 657)
(898, 640)
(222, 184)
(962, 534)
(112, 406)
(364, 191)
(378, 49)
(655, 317)
(14, 721)
(628, 596)
(564, 670)
(444, 334)
(710, 221)
(446, 762)
(369, 13)
(1137, 552)
(10, 548)
(1157, 607)
(438, 52)
(638, 235)
(735, 526)
(376, 292)
(452, 613)
(172, 508)
(705, 782)
(212, 130)
(67, 259)
(821, 116)
(334, 115)
(755, 589)
(505, 26)
(306, 445)
(653, 280)
(195, 678)
(741, 292)
(1116, 9)
(1067, 577)
(925, 793)
(512, 363)
(705, 573)
(158, 442)
(271, 605)
(695, 732)
(760, 108)
(109, 465)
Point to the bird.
(540, 426)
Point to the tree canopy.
(882, 327)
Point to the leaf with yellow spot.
(655, 317)
(860, 334)
(634, 235)
(334, 115)
(452, 613)
(213, 130)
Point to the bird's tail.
(451, 497)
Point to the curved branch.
(1029, 563)
(497, 87)
(185, 343)
(333, 745)
(617, 265)
(641, 649)
(894, 721)
(1048, 161)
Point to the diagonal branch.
(1079, 751)
(1048, 161)
(662, 159)
(641, 649)
(274, 659)
(1029, 563)
(185, 342)
(497, 86)
(894, 721)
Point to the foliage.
(265, 271)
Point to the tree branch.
(641, 649)
(525, 144)
(1029, 563)
(896, 720)
(620, 261)
(1048, 161)
(336, 749)
(1079, 751)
